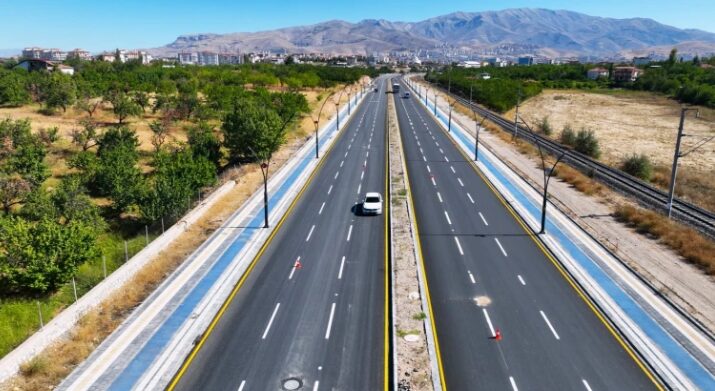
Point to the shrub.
(587, 143)
(568, 136)
(545, 126)
(638, 166)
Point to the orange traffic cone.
(497, 335)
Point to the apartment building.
(35, 53)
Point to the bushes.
(638, 165)
(545, 126)
(568, 136)
(587, 143)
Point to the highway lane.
(323, 322)
(487, 276)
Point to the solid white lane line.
(350, 231)
(315, 386)
(513, 384)
(489, 322)
(336, 175)
(290, 277)
(585, 384)
(543, 315)
(500, 246)
(433, 182)
(243, 383)
(470, 197)
(270, 322)
(330, 189)
(321, 208)
(447, 216)
(342, 264)
(484, 220)
(459, 246)
(440, 198)
(460, 182)
(452, 168)
(310, 233)
(330, 321)
(471, 277)
(428, 169)
(359, 187)
(521, 280)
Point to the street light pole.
(264, 171)
(449, 95)
(316, 122)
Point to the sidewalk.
(147, 349)
(677, 351)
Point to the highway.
(487, 277)
(312, 311)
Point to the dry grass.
(48, 368)
(691, 245)
(693, 186)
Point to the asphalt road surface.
(487, 276)
(321, 325)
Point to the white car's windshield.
(372, 199)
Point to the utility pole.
(516, 117)
(678, 154)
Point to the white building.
(207, 58)
(79, 54)
(597, 73)
(470, 64)
(44, 54)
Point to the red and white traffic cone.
(497, 335)
(298, 265)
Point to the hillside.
(522, 30)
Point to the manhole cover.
(411, 337)
(292, 384)
(482, 301)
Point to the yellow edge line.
(248, 271)
(556, 264)
(386, 337)
(442, 379)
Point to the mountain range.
(512, 31)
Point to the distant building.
(32, 53)
(485, 76)
(497, 62)
(208, 58)
(188, 58)
(597, 73)
(79, 54)
(640, 61)
(44, 54)
(230, 59)
(526, 60)
(107, 56)
(469, 64)
(64, 69)
(543, 60)
(626, 74)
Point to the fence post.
(162, 225)
(74, 289)
(126, 252)
(39, 311)
(104, 265)
(146, 234)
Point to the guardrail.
(646, 194)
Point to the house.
(597, 73)
(469, 64)
(107, 56)
(626, 74)
(35, 65)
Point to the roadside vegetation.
(134, 148)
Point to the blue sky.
(98, 24)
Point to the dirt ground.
(625, 122)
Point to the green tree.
(123, 106)
(159, 134)
(58, 91)
(176, 178)
(638, 165)
(13, 91)
(673, 56)
(141, 98)
(38, 257)
(13, 190)
(204, 142)
(117, 175)
(252, 132)
(85, 137)
(22, 152)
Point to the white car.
(372, 205)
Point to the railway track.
(645, 193)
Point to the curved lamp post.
(316, 122)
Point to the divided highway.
(313, 311)
(488, 278)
